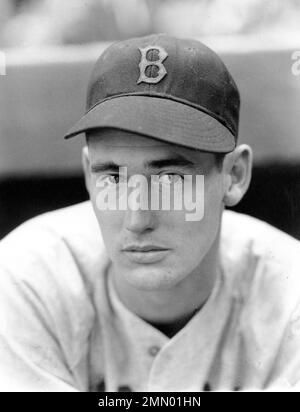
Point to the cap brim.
(159, 118)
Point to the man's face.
(154, 249)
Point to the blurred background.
(50, 47)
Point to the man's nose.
(139, 221)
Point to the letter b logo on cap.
(145, 63)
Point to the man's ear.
(237, 167)
(85, 159)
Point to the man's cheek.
(110, 230)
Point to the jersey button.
(124, 388)
(153, 350)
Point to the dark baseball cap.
(175, 90)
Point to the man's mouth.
(145, 253)
(145, 248)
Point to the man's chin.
(151, 279)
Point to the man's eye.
(109, 180)
(170, 178)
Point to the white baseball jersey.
(63, 327)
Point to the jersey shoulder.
(47, 269)
(260, 260)
(62, 236)
(57, 257)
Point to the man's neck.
(171, 328)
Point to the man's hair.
(219, 158)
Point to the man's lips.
(145, 248)
(145, 254)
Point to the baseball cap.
(175, 90)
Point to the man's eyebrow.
(177, 160)
(104, 167)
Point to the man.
(163, 298)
